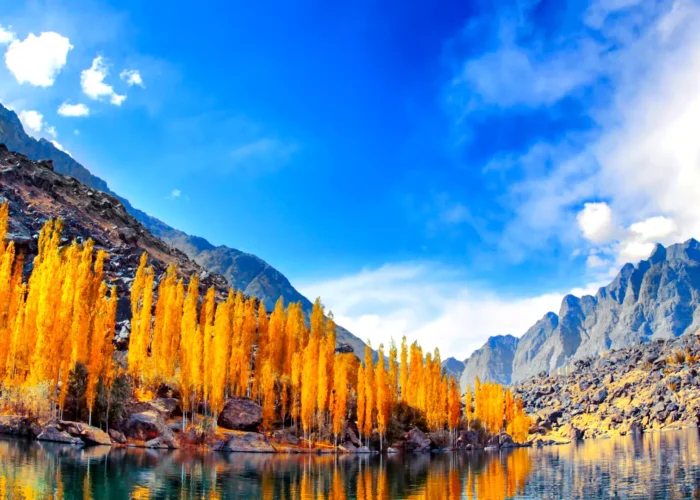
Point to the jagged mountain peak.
(659, 297)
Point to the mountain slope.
(243, 271)
(494, 361)
(453, 367)
(36, 192)
(659, 298)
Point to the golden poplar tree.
(219, 356)
(275, 343)
(369, 392)
(268, 390)
(403, 377)
(361, 400)
(190, 354)
(340, 393)
(141, 302)
(383, 396)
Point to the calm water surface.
(661, 465)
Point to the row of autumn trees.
(63, 315)
(230, 347)
(213, 347)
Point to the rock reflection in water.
(656, 466)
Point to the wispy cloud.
(430, 303)
(264, 153)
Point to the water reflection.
(663, 465)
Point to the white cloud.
(425, 302)
(37, 60)
(73, 110)
(175, 193)
(32, 120)
(642, 155)
(132, 77)
(92, 81)
(595, 261)
(596, 222)
(60, 147)
(6, 36)
(642, 237)
(51, 130)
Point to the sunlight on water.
(665, 465)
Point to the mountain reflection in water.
(661, 465)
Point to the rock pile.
(637, 389)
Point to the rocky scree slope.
(243, 271)
(36, 192)
(641, 388)
(659, 298)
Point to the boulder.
(599, 396)
(117, 437)
(391, 450)
(88, 434)
(241, 414)
(571, 432)
(351, 436)
(14, 425)
(167, 407)
(165, 442)
(635, 428)
(347, 447)
(146, 426)
(467, 437)
(249, 442)
(285, 437)
(362, 449)
(506, 441)
(416, 441)
(53, 434)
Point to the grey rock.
(249, 442)
(416, 441)
(146, 426)
(117, 437)
(241, 414)
(599, 397)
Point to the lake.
(657, 465)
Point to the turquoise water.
(660, 465)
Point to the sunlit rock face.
(657, 298)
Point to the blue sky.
(441, 170)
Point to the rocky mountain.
(494, 361)
(243, 271)
(36, 192)
(453, 368)
(641, 388)
(659, 298)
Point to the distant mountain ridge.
(243, 271)
(659, 298)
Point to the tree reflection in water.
(658, 465)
